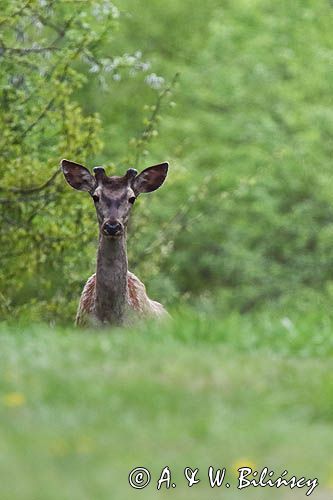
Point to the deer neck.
(111, 280)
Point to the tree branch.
(24, 51)
(35, 189)
(16, 13)
(42, 114)
(145, 134)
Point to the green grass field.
(80, 409)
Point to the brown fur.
(137, 301)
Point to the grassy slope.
(194, 393)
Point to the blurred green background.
(237, 96)
(246, 217)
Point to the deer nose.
(112, 228)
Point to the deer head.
(113, 196)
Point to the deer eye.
(95, 198)
(132, 199)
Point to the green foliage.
(247, 212)
(245, 218)
(48, 50)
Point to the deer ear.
(78, 176)
(150, 179)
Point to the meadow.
(237, 244)
(81, 409)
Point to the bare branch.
(16, 13)
(148, 129)
(20, 51)
(34, 189)
(42, 114)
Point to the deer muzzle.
(112, 228)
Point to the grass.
(79, 410)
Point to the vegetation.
(247, 134)
(80, 410)
(247, 212)
(236, 95)
(48, 51)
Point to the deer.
(113, 295)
